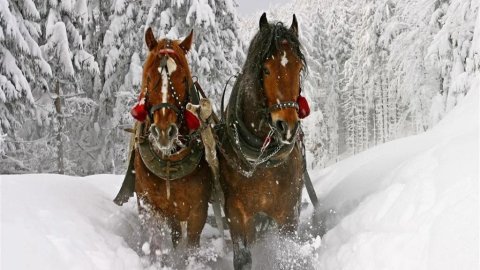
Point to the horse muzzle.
(164, 138)
(286, 132)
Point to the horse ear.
(150, 39)
(187, 42)
(263, 20)
(294, 26)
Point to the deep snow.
(408, 204)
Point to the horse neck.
(249, 105)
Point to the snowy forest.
(378, 70)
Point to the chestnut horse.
(172, 179)
(261, 162)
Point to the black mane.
(265, 43)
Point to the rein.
(222, 107)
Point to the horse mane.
(265, 43)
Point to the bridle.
(179, 107)
(280, 105)
(275, 107)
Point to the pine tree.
(22, 69)
(450, 53)
(64, 49)
(122, 78)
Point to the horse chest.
(185, 194)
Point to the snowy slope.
(408, 204)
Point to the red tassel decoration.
(191, 120)
(303, 107)
(139, 112)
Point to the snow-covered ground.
(408, 204)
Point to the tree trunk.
(58, 107)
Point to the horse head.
(280, 77)
(165, 86)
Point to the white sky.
(248, 7)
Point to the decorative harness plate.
(169, 168)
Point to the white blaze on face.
(172, 66)
(284, 60)
(289, 134)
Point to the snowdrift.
(408, 204)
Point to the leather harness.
(248, 147)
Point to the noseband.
(283, 105)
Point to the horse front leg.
(288, 224)
(196, 222)
(243, 235)
(151, 225)
(176, 232)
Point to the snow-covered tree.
(22, 69)
(63, 30)
(377, 70)
(450, 51)
(122, 53)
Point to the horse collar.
(172, 167)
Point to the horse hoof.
(242, 260)
(263, 223)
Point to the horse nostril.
(282, 126)
(172, 131)
(154, 131)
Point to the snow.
(407, 204)
(61, 222)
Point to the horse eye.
(266, 71)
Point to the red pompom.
(139, 112)
(303, 107)
(192, 121)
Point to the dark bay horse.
(172, 179)
(260, 157)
